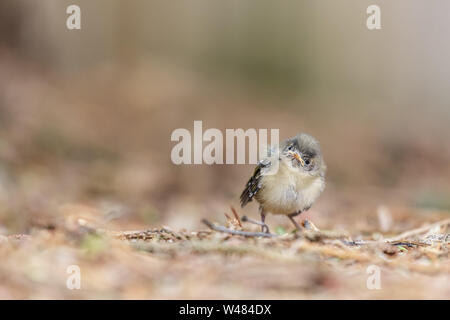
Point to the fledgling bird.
(288, 180)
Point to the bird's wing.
(254, 183)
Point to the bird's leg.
(264, 226)
(291, 217)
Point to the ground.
(165, 264)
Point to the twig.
(236, 216)
(237, 232)
(417, 231)
(262, 224)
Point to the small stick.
(237, 232)
(236, 216)
(247, 219)
(417, 231)
(262, 224)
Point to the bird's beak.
(298, 158)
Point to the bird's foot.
(264, 227)
(308, 225)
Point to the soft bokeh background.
(86, 115)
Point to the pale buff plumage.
(289, 190)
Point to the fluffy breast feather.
(289, 191)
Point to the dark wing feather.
(254, 184)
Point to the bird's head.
(303, 153)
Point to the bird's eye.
(307, 161)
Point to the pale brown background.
(86, 116)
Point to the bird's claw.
(265, 228)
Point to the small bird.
(288, 180)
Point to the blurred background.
(86, 118)
(86, 115)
